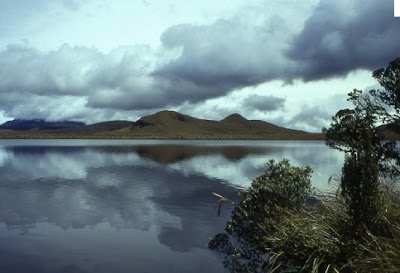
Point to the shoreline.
(166, 137)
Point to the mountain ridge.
(171, 125)
(28, 124)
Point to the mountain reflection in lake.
(129, 206)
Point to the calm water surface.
(74, 206)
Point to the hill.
(97, 128)
(28, 124)
(171, 125)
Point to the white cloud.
(133, 58)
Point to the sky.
(287, 62)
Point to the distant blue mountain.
(27, 124)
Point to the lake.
(83, 206)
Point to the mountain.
(28, 124)
(97, 128)
(168, 125)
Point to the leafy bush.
(263, 207)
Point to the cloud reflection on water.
(54, 195)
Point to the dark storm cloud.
(226, 55)
(339, 37)
(120, 79)
(264, 103)
(117, 80)
(342, 36)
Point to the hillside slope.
(40, 124)
(170, 125)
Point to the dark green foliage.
(281, 186)
(280, 189)
(360, 189)
(367, 155)
(389, 79)
(389, 96)
(353, 131)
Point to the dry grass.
(316, 240)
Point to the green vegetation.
(281, 225)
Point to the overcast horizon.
(290, 63)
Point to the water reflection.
(131, 208)
(237, 165)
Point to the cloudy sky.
(283, 61)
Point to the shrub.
(263, 207)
